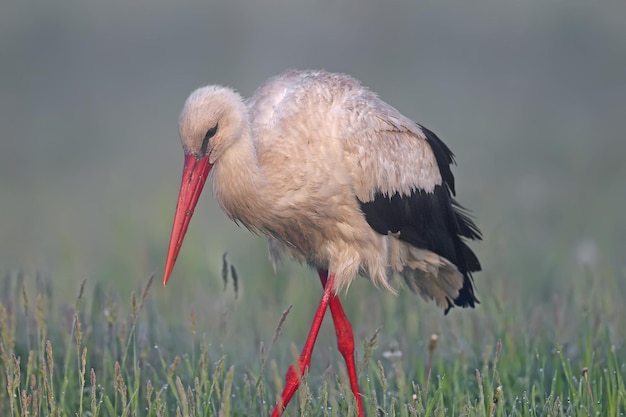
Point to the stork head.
(212, 119)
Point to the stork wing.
(405, 187)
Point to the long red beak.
(195, 173)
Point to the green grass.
(520, 353)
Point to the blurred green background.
(530, 95)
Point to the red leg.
(293, 376)
(345, 340)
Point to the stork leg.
(345, 340)
(294, 375)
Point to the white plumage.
(294, 161)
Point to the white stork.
(335, 178)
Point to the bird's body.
(316, 146)
(336, 178)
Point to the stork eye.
(205, 142)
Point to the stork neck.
(238, 181)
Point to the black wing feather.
(431, 220)
(443, 156)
